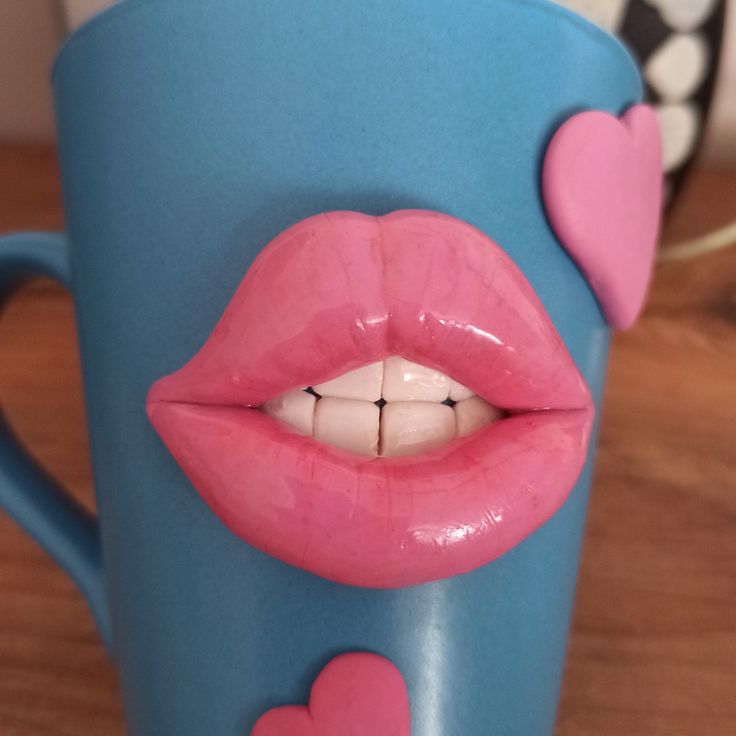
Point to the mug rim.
(123, 7)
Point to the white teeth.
(348, 424)
(412, 427)
(473, 413)
(295, 408)
(407, 381)
(362, 383)
(458, 392)
(413, 420)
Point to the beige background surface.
(30, 32)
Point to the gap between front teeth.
(390, 408)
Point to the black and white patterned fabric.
(677, 43)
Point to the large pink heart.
(602, 185)
(358, 694)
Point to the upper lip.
(340, 290)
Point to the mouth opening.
(412, 334)
(390, 408)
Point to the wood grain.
(653, 646)
(55, 679)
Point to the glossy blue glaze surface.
(192, 133)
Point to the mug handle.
(60, 525)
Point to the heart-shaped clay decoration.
(602, 186)
(357, 694)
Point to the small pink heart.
(358, 694)
(602, 186)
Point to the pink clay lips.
(345, 291)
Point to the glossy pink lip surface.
(337, 291)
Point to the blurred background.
(653, 644)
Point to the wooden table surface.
(653, 647)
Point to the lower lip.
(352, 289)
(385, 522)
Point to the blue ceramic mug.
(190, 135)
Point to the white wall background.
(31, 31)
